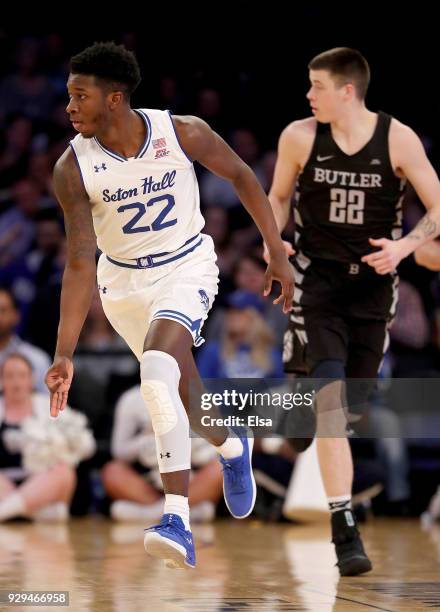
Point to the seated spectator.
(44, 495)
(11, 343)
(132, 479)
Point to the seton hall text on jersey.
(148, 186)
(347, 179)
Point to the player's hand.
(387, 258)
(58, 380)
(281, 270)
(287, 246)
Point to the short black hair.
(345, 66)
(111, 63)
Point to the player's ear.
(116, 98)
(349, 91)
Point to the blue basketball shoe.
(171, 542)
(239, 488)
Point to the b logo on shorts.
(354, 269)
(204, 299)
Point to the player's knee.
(160, 405)
(328, 376)
(160, 375)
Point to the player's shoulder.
(401, 133)
(67, 179)
(65, 163)
(189, 126)
(297, 139)
(299, 133)
(301, 127)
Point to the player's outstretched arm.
(78, 279)
(410, 160)
(204, 145)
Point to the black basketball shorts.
(340, 311)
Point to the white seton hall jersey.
(145, 204)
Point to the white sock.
(177, 504)
(12, 505)
(232, 447)
(341, 502)
(127, 511)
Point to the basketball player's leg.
(368, 344)
(328, 337)
(234, 449)
(166, 345)
(364, 353)
(191, 390)
(333, 448)
(167, 349)
(327, 345)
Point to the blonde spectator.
(44, 495)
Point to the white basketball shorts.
(136, 292)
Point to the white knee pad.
(160, 405)
(160, 375)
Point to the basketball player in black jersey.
(349, 166)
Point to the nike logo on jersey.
(375, 162)
(322, 158)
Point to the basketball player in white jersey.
(127, 181)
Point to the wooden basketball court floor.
(241, 566)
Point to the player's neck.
(354, 126)
(125, 135)
(354, 119)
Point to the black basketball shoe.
(352, 559)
